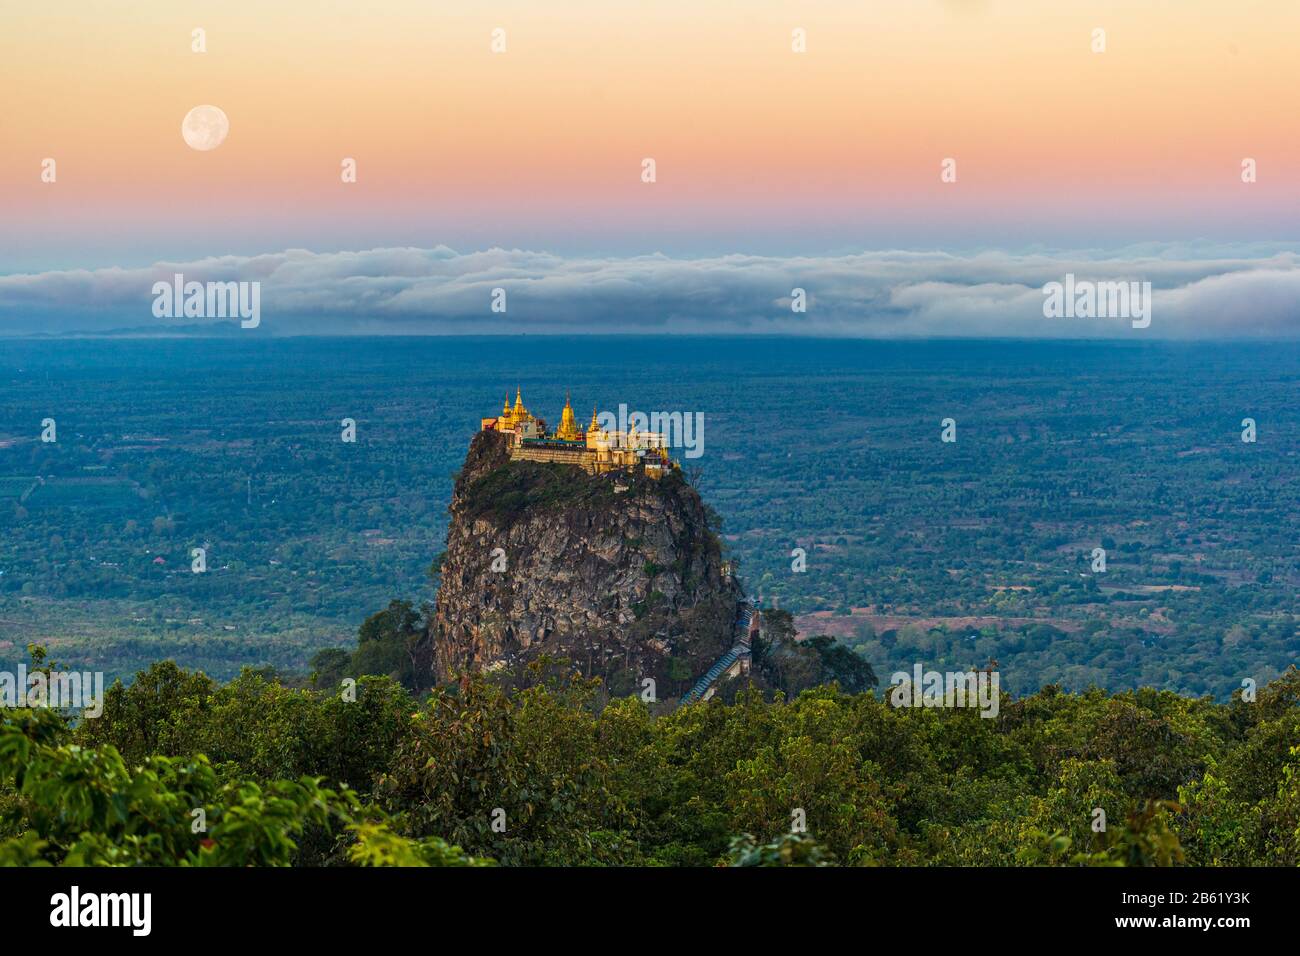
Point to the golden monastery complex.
(594, 449)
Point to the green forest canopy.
(548, 774)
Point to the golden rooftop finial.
(568, 430)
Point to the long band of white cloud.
(1200, 291)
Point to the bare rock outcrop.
(619, 573)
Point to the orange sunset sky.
(758, 148)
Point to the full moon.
(205, 127)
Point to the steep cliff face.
(618, 573)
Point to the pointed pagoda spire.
(569, 430)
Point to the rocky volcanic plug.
(617, 572)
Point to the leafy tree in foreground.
(792, 849)
(77, 806)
